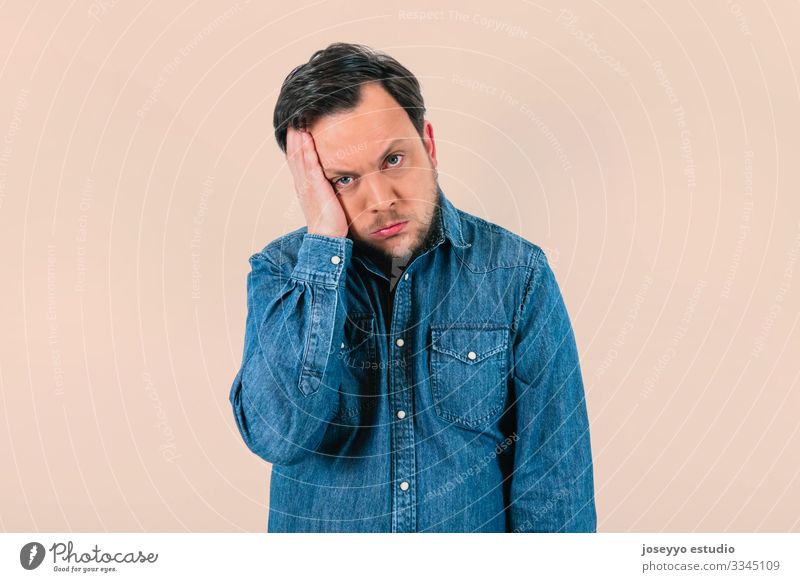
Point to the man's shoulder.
(493, 246)
(283, 249)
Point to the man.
(407, 367)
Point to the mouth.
(390, 230)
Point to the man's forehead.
(340, 149)
(362, 131)
(359, 126)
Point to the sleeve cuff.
(322, 259)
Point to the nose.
(381, 195)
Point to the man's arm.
(286, 391)
(552, 485)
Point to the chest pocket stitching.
(457, 341)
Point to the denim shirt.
(460, 409)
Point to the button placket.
(404, 518)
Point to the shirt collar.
(450, 223)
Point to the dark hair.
(331, 82)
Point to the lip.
(390, 230)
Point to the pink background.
(651, 150)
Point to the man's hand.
(324, 214)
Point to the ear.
(428, 142)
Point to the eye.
(399, 159)
(338, 182)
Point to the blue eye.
(395, 156)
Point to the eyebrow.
(393, 144)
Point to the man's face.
(382, 172)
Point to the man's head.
(366, 115)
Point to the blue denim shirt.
(456, 406)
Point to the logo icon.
(31, 555)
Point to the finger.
(294, 142)
(302, 162)
(309, 153)
(313, 164)
(295, 155)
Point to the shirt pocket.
(358, 391)
(468, 372)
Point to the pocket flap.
(469, 343)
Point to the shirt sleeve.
(552, 484)
(287, 388)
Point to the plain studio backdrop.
(651, 151)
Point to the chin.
(400, 244)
